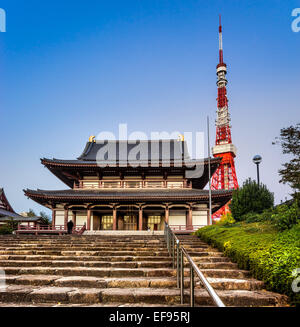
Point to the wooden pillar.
(190, 218)
(114, 218)
(88, 224)
(66, 218)
(74, 218)
(167, 212)
(140, 218)
(53, 218)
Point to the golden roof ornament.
(92, 139)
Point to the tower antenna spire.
(220, 42)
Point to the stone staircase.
(118, 270)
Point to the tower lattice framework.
(225, 175)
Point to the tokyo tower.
(225, 175)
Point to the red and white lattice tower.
(225, 175)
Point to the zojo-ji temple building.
(132, 185)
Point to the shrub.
(286, 217)
(226, 219)
(269, 254)
(251, 217)
(6, 229)
(251, 197)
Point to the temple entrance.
(96, 222)
(107, 222)
(154, 222)
(130, 222)
(127, 219)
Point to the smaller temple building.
(8, 215)
(132, 185)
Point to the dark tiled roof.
(4, 204)
(19, 219)
(144, 150)
(160, 194)
(4, 213)
(133, 153)
(188, 163)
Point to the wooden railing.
(78, 230)
(44, 229)
(137, 184)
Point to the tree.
(31, 213)
(45, 218)
(251, 197)
(289, 140)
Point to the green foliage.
(251, 197)
(6, 229)
(226, 219)
(269, 254)
(289, 140)
(252, 217)
(31, 213)
(286, 217)
(45, 218)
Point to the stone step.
(103, 244)
(90, 305)
(116, 264)
(86, 258)
(206, 253)
(120, 272)
(71, 263)
(82, 249)
(213, 265)
(94, 253)
(235, 284)
(82, 239)
(91, 271)
(211, 259)
(125, 282)
(17, 294)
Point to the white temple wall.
(177, 217)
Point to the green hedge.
(270, 255)
(5, 229)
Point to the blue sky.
(72, 69)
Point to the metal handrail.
(181, 252)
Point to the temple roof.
(7, 216)
(141, 150)
(6, 213)
(4, 204)
(110, 158)
(83, 195)
(149, 153)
